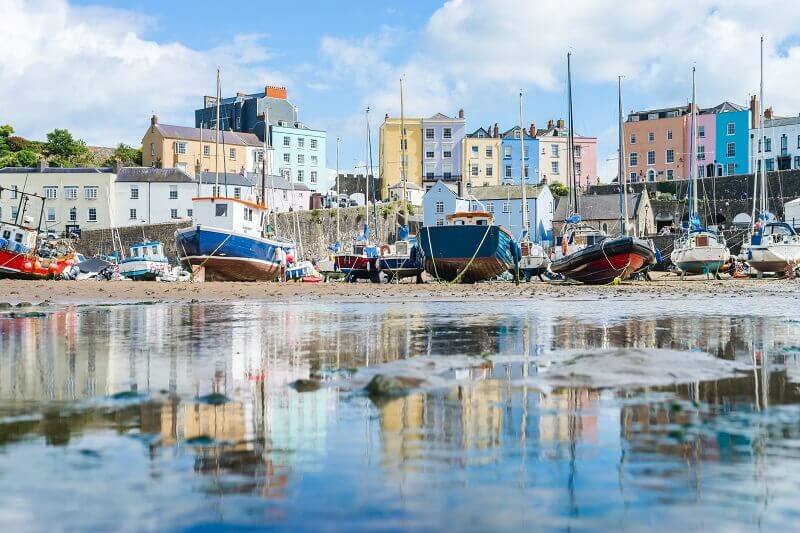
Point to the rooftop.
(193, 134)
(781, 121)
(597, 207)
(57, 170)
(153, 175)
(250, 180)
(501, 192)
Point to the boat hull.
(227, 256)
(602, 263)
(356, 266)
(143, 270)
(399, 266)
(774, 257)
(14, 265)
(700, 260)
(467, 253)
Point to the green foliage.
(559, 189)
(5, 132)
(27, 158)
(127, 155)
(316, 216)
(64, 150)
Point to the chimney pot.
(154, 120)
(274, 91)
(460, 113)
(560, 123)
(532, 131)
(768, 113)
(550, 124)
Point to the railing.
(443, 177)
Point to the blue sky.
(101, 67)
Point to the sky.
(101, 67)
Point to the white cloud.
(92, 71)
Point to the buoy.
(616, 281)
(37, 265)
(28, 266)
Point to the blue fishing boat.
(146, 262)
(469, 248)
(398, 261)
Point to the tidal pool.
(174, 416)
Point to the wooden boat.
(469, 248)
(146, 262)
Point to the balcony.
(443, 177)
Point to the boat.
(399, 261)
(468, 248)
(588, 255)
(299, 270)
(697, 250)
(146, 262)
(23, 255)
(772, 246)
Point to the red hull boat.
(357, 266)
(605, 261)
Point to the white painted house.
(147, 195)
(505, 203)
(781, 144)
(440, 201)
(282, 195)
(414, 193)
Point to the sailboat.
(533, 260)
(698, 250)
(362, 261)
(229, 239)
(772, 246)
(399, 261)
(587, 254)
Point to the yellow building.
(194, 149)
(481, 159)
(391, 153)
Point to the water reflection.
(586, 457)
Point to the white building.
(441, 145)
(440, 201)
(781, 144)
(146, 195)
(414, 193)
(505, 203)
(282, 195)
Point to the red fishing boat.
(361, 263)
(22, 255)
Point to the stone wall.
(100, 241)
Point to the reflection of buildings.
(563, 418)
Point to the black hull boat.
(602, 262)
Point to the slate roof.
(510, 134)
(782, 121)
(440, 116)
(57, 170)
(153, 175)
(598, 207)
(193, 134)
(480, 133)
(501, 192)
(251, 180)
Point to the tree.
(27, 158)
(559, 189)
(5, 132)
(127, 156)
(64, 150)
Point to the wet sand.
(104, 292)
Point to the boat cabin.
(17, 239)
(471, 218)
(150, 250)
(231, 214)
(775, 232)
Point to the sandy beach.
(104, 292)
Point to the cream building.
(481, 159)
(390, 153)
(195, 149)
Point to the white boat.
(698, 250)
(146, 262)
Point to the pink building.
(586, 161)
(706, 143)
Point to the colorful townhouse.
(298, 152)
(780, 144)
(512, 142)
(390, 153)
(553, 154)
(482, 149)
(505, 203)
(442, 146)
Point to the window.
(215, 191)
(576, 150)
(633, 177)
(669, 135)
(767, 144)
(731, 128)
(314, 142)
(798, 141)
(489, 148)
(731, 170)
(173, 213)
(670, 156)
(429, 133)
(301, 142)
(232, 154)
(237, 193)
(189, 213)
(300, 175)
(132, 214)
(260, 156)
(221, 210)
(71, 193)
(92, 214)
(448, 133)
(447, 154)
(489, 170)
(439, 222)
(152, 149)
(731, 150)
(770, 164)
(701, 153)
(525, 152)
(508, 171)
(287, 141)
(554, 150)
(440, 207)
(314, 160)
(287, 158)
(577, 168)
(651, 136)
(134, 192)
(73, 214)
(14, 212)
(51, 193)
(404, 144)
(670, 174)
(554, 167)
(633, 159)
(784, 144)
(301, 159)
(206, 150)
(173, 192)
(651, 157)
(797, 161)
(248, 214)
(90, 193)
(474, 150)
(429, 154)
(51, 214)
(490, 207)
(506, 207)
(507, 152)
(633, 138)
(447, 173)
(429, 175)
(473, 169)
(701, 132)
(180, 147)
(313, 176)
(651, 175)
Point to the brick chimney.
(532, 130)
(274, 91)
(755, 112)
(460, 113)
(496, 130)
(768, 113)
(560, 123)
(550, 124)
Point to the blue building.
(245, 112)
(505, 203)
(299, 156)
(510, 160)
(732, 142)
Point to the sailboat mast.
(216, 144)
(522, 183)
(403, 148)
(571, 139)
(366, 170)
(623, 207)
(337, 189)
(763, 207)
(693, 155)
